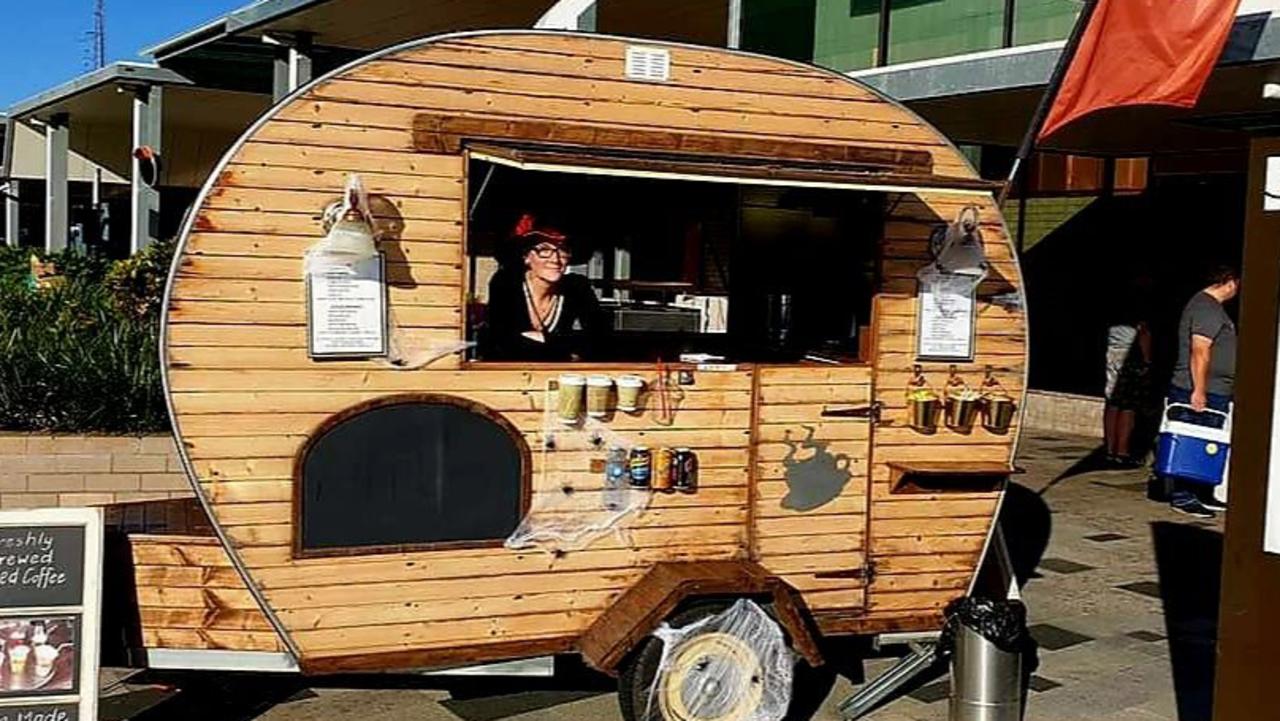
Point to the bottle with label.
(615, 478)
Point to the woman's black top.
(570, 333)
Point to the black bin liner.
(1002, 622)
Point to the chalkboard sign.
(41, 566)
(50, 605)
(411, 473)
(40, 712)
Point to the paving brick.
(136, 463)
(175, 464)
(138, 496)
(55, 483)
(112, 482)
(25, 463)
(28, 500)
(14, 445)
(112, 444)
(86, 499)
(165, 482)
(156, 445)
(82, 463)
(44, 445)
(13, 482)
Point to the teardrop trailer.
(842, 278)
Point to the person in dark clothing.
(1128, 371)
(1204, 375)
(538, 311)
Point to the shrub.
(81, 355)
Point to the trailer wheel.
(637, 695)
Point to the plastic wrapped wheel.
(711, 675)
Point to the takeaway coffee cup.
(598, 390)
(570, 399)
(45, 656)
(18, 658)
(629, 388)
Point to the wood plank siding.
(246, 396)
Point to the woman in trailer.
(538, 311)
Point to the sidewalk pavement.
(1122, 594)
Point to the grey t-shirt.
(1204, 316)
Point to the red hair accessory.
(526, 232)
(524, 226)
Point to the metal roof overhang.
(720, 169)
(87, 87)
(368, 25)
(989, 97)
(355, 24)
(101, 117)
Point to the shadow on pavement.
(489, 699)
(245, 696)
(1096, 460)
(1189, 564)
(207, 696)
(1027, 523)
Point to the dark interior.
(412, 473)
(795, 265)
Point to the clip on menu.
(50, 599)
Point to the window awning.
(718, 169)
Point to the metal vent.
(644, 63)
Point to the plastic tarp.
(734, 665)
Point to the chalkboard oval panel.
(411, 472)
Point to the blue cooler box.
(1191, 451)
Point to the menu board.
(347, 310)
(50, 601)
(947, 314)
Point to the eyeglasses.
(547, 252)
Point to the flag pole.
(1046, 101)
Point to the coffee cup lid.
(600, 381)
(572, 379)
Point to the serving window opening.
(663, 269)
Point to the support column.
(56, 147)
(292, 66)
(1247, 665)
(11, 212)
(148, 109)
(733, 35)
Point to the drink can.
(641, 467)
(663, 461)
(684, 473)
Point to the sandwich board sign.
(50, 606)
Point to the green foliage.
(81, 354)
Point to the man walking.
(1204, 376)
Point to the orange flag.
(1142, 52)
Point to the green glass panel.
(1038, 21)
(778, 27)
(924, 29)
(846, 34)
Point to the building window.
(411, 472)
(925, 29)
(847, 34)
(782, 28)
(1038, 21)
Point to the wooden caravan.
(361, 506)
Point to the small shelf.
(948, 476)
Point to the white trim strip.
(220, 660)
(957, 59)
(708, 178)
(274, 662)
